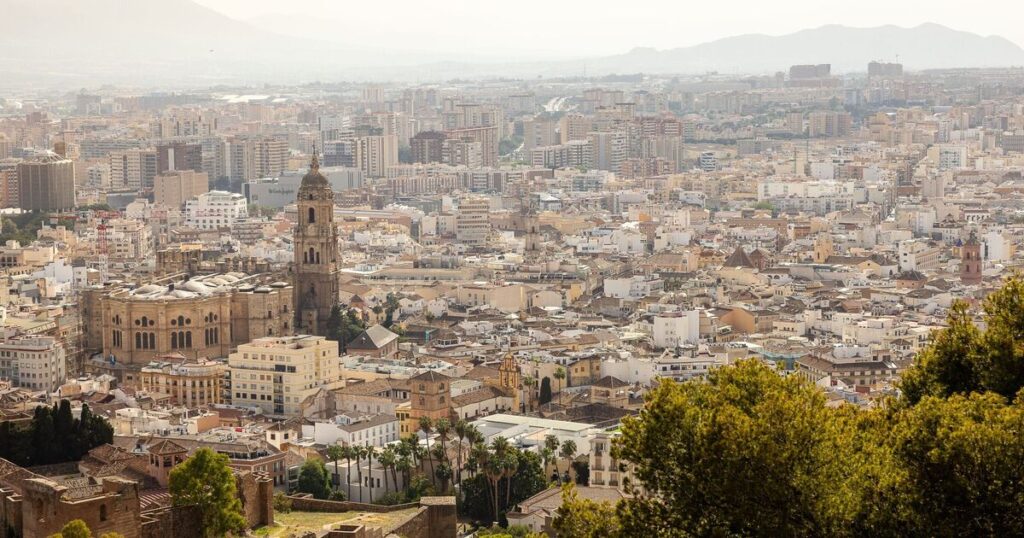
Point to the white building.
(672, 329)
(33, 363)
(215, 209)
(633, 288)
(354, 429)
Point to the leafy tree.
(512, 531)
(746, 452)
(584, 518)
(545, 390)
(282, 503)
(205, 480)
(581, 469)
(962, 359)
(959, 464)
(313, 479)
(949, 365)
(76, 528)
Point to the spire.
(314, 164)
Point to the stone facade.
(199, 318)
(316, 253)
(110, 506)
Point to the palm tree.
(569, 453)
(549, 451)
(335, 453)
(560, 376)
(443, 427)
(348, 453)
(426, 426)
(528, 383)
(404, 464)
(438, 453)
(359, 453)
(370, 453)
(387, 460)
(501, 448)
(509, 466)
(461, 429)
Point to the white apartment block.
(277, 373)
(360, 430)
(33, 363)
(671, 329)
(215, 209)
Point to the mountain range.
(179, 43)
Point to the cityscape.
(254, 283)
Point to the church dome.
(314, 178)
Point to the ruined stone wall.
(172, 522)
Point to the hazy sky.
(596, 27)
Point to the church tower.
(316, 253)
(509, 378)
(970, 261)
(529, 225)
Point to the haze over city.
(561, 269)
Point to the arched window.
(305, 257)
(174, 340)
(310, 254)
(318, 257)
(188, 340)
(103, 512)
(152, 340)
(138, 340)
(312, 215)
(181, 320)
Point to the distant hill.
(171, 43)
(927, 46)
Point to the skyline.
(662, 25)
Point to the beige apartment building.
(188, 383)
(174, 187)
(277, 374)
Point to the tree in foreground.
(960, 465)
(314, 479)
(962, 359)
(584, 518)
(76, 528)
(205, 480)
(747, 452)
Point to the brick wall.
(172, 522)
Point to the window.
(312, 215)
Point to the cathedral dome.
(314, 178)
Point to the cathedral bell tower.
(316, 253)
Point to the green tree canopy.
(314, 479)
(962, 359)
(545, 390)
(747, 452)
(584, 518)
(76, 528)
(205, 480)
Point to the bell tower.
(970, 261)
(316, 253)
(509, 378)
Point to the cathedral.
(316, 253)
